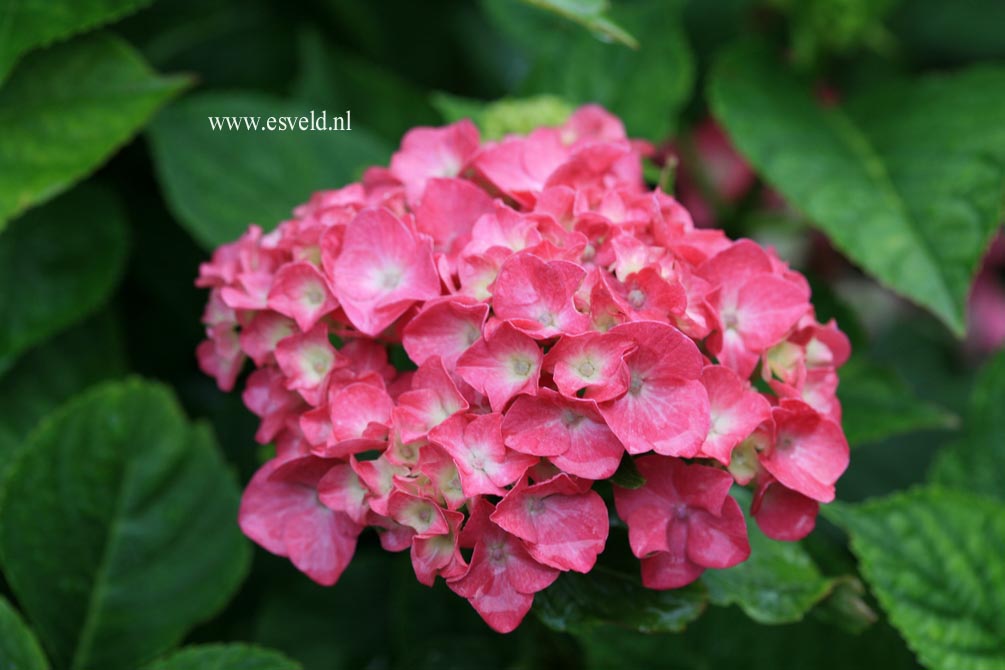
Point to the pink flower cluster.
(562, 318)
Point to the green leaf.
(578, 603)
(627, 475)
(340, 80)
(906, 181)
(817, 27)
(67, 109)
(217, 182)
(224, 657)
(646, 87)
(118, 528)
(933, 558)
(503, 117)
(47, 376)
(976, 463)
(779, 583)
(58, 264)
(877, 403)
(727, 638)
(26, 25)
(591, 14)
(19, 649)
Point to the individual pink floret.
(562, 522)
(808, 452)
(445, 327)
(483, 461)
(377, 283)
(300, 291)
(307, 360)
(502, 579)
(681, 521)
(501, 365)
(536, 296)
(428, 153)
(735, 411)
(570, 432)
(591, 364)
(281, 511)
(665, 408)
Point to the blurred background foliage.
(864, 139)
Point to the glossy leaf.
(224, 657)
(256, 176)
(933, 558)
(50, 374)
(876, 404)
(779, 583)
(118, 527)
(65, 110)
(26, 25)
(906, 181)
(645, 87)
(58, 263)
(340, 80)
(592, 15)
(976, 462)
(727, 638)
(19, 649)
(578, 603)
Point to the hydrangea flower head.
(561, 318)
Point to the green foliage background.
(121, 465)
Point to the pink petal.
(568, 430)
(483, 461)
(783, 514)
(502, 365)
(300, 292)
(718, 541)
(375, 284)
(445, 327)
(562, 528)
(735, 410)
(591, 361)
(537, 295)
(448, 210)
(810, 452)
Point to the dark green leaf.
(727, 638)
(58, 264)
(506, 116)
(876, 404)
(645, 87)
(976, 463)
(340, 81)
(118, 528)
(906, 181)
(779, 583)
(933, 557)
(592, 15)
(628, 475)
(25, 25)
(224, 657)
(578, 603)
(845, 606)
(19, 649)
(818, 27)
(219, 181)
(66, 110)
(47, 376)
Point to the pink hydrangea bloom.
(562, 319)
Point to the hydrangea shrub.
(560, 317)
